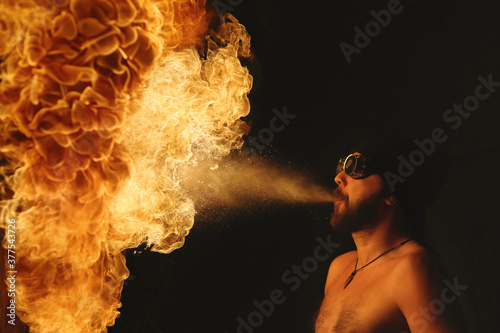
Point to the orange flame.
(85, 178)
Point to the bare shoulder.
(420, 282)
(418, 261)
(339, 265)
(417, 273)
(342, 260)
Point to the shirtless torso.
(400, 289)
(393, 294)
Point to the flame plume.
(189, 113)
(102, 103)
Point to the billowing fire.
(111, 114)
(101, 103)
(190, 112)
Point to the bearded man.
(392, 282)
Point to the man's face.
(357, 202)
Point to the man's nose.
(341, 179)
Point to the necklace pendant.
(356, 269)
(349, 279)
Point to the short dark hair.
(420, 183)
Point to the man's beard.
(354, 218)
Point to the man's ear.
(391, 200)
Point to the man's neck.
(371, 243)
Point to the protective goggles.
(356, 166)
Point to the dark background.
(424, 61)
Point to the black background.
(424, 61)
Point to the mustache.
(338, 195)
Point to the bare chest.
(364, 306)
